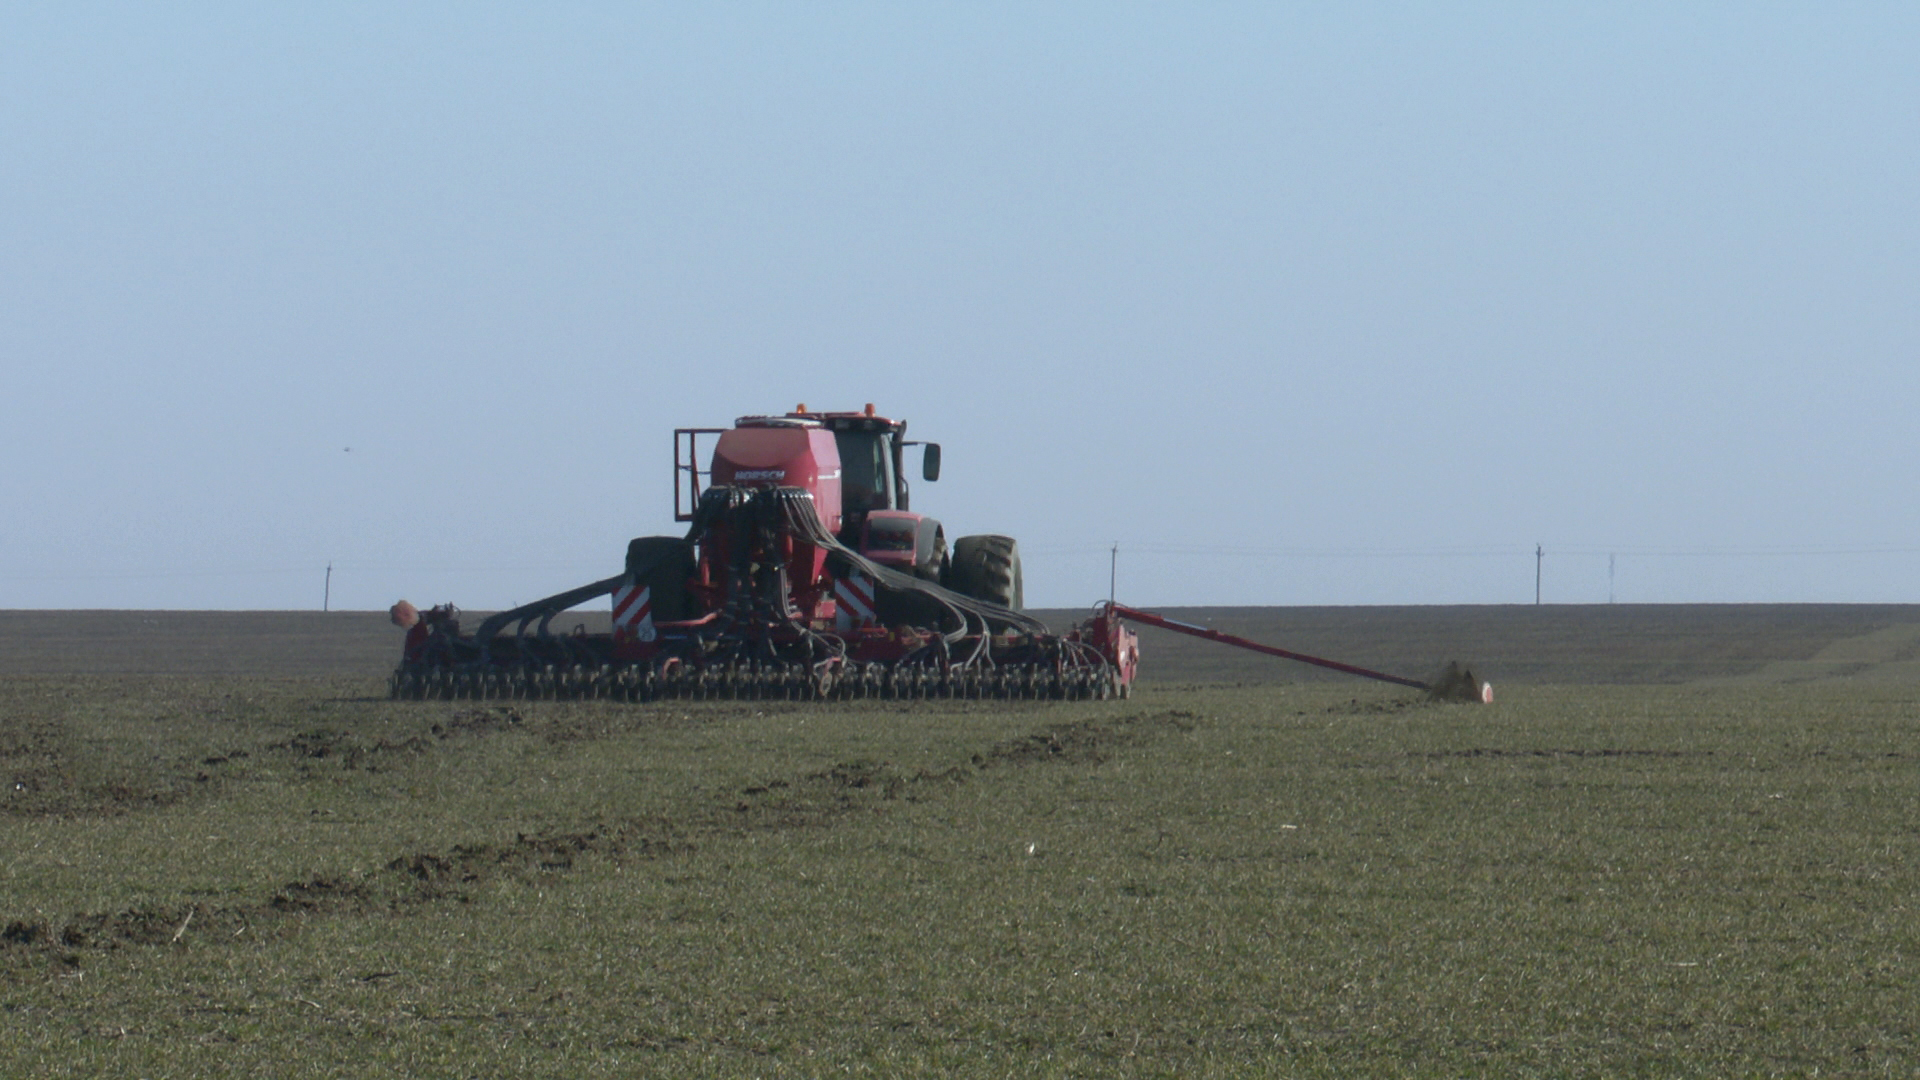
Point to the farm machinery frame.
(804, 574)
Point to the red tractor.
(803, 574)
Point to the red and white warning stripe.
(853, 601)
(633, 610)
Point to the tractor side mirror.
(930, 462)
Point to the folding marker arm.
(1457, 685)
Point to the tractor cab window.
(866, 470)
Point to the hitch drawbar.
(1454, 682)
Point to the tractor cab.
(869, 472)
(872, 448)
(874, 494)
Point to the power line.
(1478, 552)
(299, 571)
(1734, 552)
(1273, 553)
(1612, 552)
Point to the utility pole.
(1539, 555)
(326, 597)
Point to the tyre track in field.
(459, 873)
(41, 778)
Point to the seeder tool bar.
(1161, 621)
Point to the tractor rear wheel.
(988, 568)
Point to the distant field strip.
(1591, 644)
(1889, 655)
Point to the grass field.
(1693, 855)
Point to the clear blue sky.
(1331, 303)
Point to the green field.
(1683, 841)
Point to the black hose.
(549, 607)
(805, 522)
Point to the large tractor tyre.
(988, 568)
(938, 566)
(663, 564)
